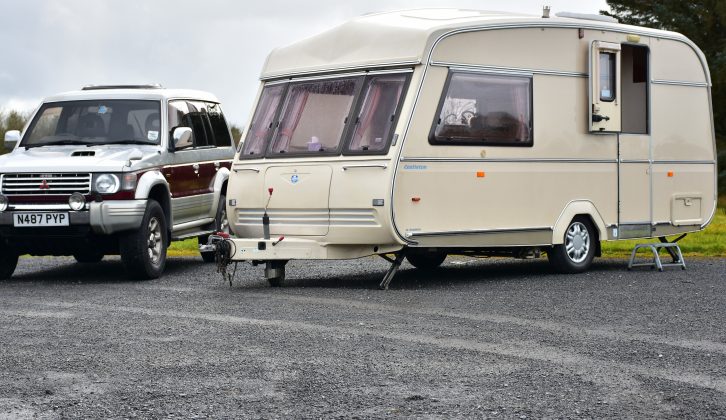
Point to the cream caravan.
(418, 134)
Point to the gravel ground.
(476, 338)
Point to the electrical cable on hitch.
(223, 252)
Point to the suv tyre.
(87, 257)
(8, 262)
(143, 251)
(221, 224)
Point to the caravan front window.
(263, 120)
(348, 114)
(314, 116)
(482, 109)
(373, 125)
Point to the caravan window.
(350, 114)
(607, 76)
(483, 109)
(255, 143)
(314, 116)
(377, 114)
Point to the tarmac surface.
(476, 338)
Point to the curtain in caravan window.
(375, 120)
(293, 113)
(262, 122)
(314, 116)
(520, 99)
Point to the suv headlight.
(113, 183)
(106, 184)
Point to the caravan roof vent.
(587, 16)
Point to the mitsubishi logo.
(44, 185)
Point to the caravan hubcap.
(577, 242)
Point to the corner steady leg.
(674, 253)
(395, 265)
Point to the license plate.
(40, 219)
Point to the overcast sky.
(51, 46)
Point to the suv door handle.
(216, 166)
(196, 168)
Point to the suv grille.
(45, 184)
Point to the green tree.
(703, 22)
(236, 133)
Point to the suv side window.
(220, 130)
(178, 112)
(209, 127)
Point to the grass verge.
(710, 242)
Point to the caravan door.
(619, 103)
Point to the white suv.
(115, 170)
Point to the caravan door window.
(314, 117)
(607, 76)
(483, 109)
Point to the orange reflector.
(415, 199)
(481, 174)
(670, 174)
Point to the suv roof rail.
(101, 87)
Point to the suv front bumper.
(105, 218)
(109, 217)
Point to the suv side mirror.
(12, 138)
(181, 138)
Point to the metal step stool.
(671, 247)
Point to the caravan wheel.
(576, 253)
(426, 260)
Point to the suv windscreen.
(95, 122)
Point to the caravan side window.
(483, 109)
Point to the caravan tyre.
(426, 260)
(576, 253)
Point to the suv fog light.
(3, 203)
(77, 201)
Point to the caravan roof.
(405, 38)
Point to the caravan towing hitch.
(223, 251)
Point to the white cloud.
(214, 45)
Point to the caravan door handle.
(196, 168)
(599, 118)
